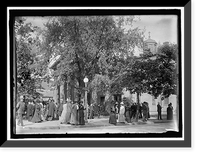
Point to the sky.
(162, 28)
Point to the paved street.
(97, 125)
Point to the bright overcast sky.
(162, 28)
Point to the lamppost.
(86, 105)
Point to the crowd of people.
(69, 112)
(125, 112)
(35, 110)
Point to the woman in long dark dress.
(145, 111)
(113, 119)
(37, 115)
(30, 110)
(170, 112)
(81, 109)
(127, 113)
(51, 110)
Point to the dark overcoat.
(81, 120)
(37, 114)
(51, 109)
(113, 119)
(169, 113)
(127, 114)
(30, 111)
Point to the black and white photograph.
(96, 74)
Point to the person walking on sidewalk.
(60, 108)
(91, 108)
(62, 118)
(37, 115)
(170, 112)
(20, 110)
(51, 110)
(81, 109)
(121, 118)
(159, 110)
(30, 110)
(74, 115)
(145, 111)
(127, 112)
(112, 118)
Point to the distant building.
(150, 45)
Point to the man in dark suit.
(159, 110)
(20, 110)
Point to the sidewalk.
(96, 122)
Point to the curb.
(68, 126)
(87, 126)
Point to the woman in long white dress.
(62, 119)
(121, 117)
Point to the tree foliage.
(152, 74)
(88, 46)
(24, 45)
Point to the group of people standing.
(169, 111)
(35, 111)
(72, 113)
(67, 112)
(124, 112)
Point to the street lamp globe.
(85, 80)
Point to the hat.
(121, 103)
(68, 100)
(37, 100)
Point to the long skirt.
(81, 120)
(121, 118)
(112, 119)
(36, 117)
(128, 119)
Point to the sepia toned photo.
(108, 75)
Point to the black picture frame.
(185, 143)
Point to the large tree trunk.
(65, 88)
(58, 94)
(81, 88)
(138, 106)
